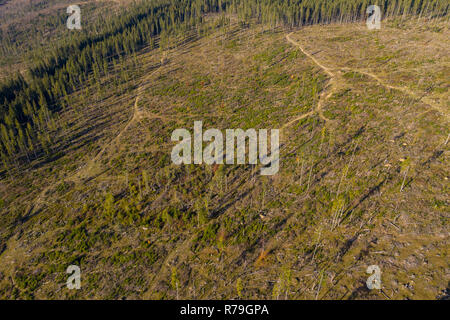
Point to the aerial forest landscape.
(224, 150)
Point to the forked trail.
(405, 90)
(76, 177)
(324, 96)
(334, 85)
(137, 115)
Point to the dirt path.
(76, 177)
(137, 115)
(324, 96)
(405, 90)
(334, 85)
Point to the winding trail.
(76, 177)
(323, 96)
(405, 90)
(334, 85)
(138, 114)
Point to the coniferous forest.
(27, 105)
